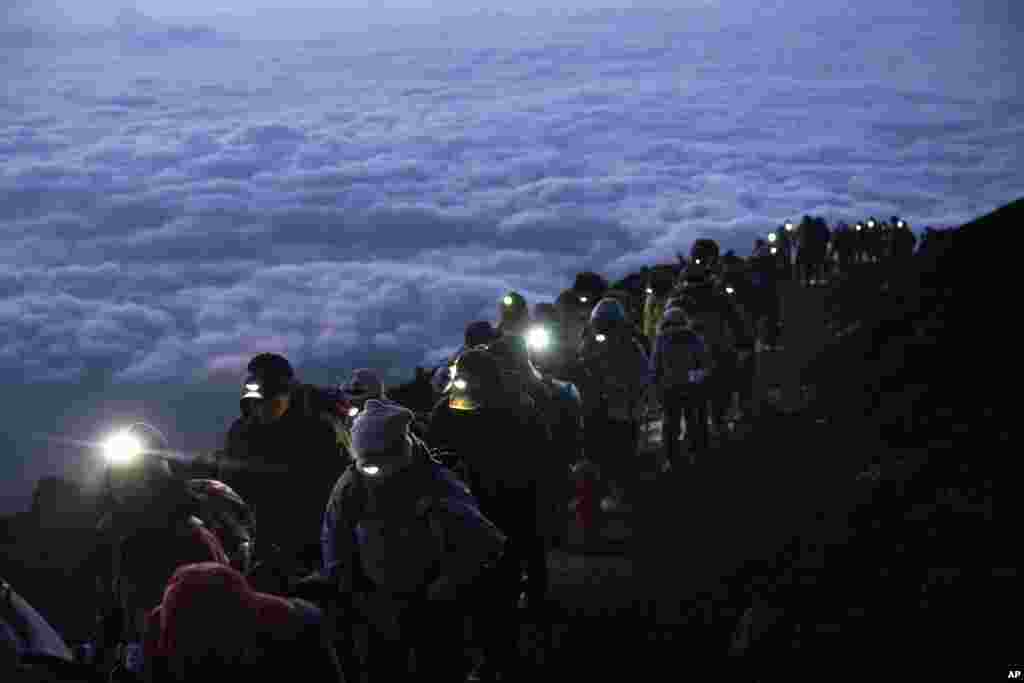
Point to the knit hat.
(380, 429)
(365, 383)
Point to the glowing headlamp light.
(507, 300)
(900, 224)
(252, 390)
(772, 237)
(371, 470)
(122, 448)
(730, 290)
(353, 411)
(697, 261)
(583, 299)
(871, 224)
(600, 338)
(774, 250)
(789, 227)
(650, 290)
(460, 384)
(538, 339)
(859, 227)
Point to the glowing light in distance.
(583, 299)
(371, 470)
(772, 237)
(650, 290)
(774, 250)
(730, 290)
(353, 411)
(122, 448)
(600, 338)
(508, 300)
(460, 384)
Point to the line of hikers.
(364, 512)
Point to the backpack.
(684, 360)
(400, 544)
(709, 319)
(229, 517)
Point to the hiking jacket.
(471, 537)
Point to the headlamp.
(772, 237)
(650, 290)
(353, 411)
(900, 224)
(462, 402)
(696, 260)
(371, 470)
(583, 299)
(253, 389)
(507, 300)
(460, 384)
(122, 448)
(789, 227)
(871, 223)
(859, 227)
(600, 338)
(730, 290)
(538, 339)
(774, 250)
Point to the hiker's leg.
(670, 427)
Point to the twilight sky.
(185, 184)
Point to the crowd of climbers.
(412, 518)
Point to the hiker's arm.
(337, 539)
(473, 538)
(744, 338)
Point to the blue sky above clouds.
(179, 191)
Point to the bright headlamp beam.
(507, 300)
(538, 339)
(729, 290)
(583, 299)
(774, 250)
(459, 384)
(353, 411)
(122, 448)
(371, 470)
(772, 237)
(600, 337)
(650, 291)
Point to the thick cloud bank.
(173, 200)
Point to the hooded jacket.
(472, 538)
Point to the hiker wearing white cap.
(403, 530)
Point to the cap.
(363, 384)
(480, 332)
(270, 375)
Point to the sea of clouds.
(176, 196)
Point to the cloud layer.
(174, 198)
